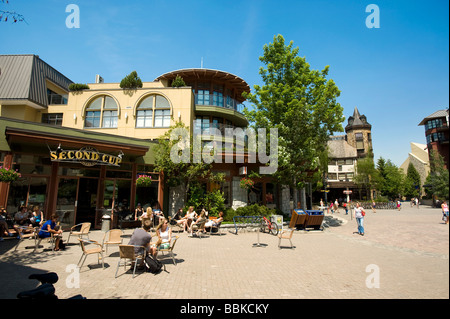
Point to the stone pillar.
(239, 194)
(285, 199)
(176, 199)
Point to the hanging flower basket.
(247, 183)
(144, 180)
(8, 175)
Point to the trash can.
(298, 218)
(314, 219)
(106, 222)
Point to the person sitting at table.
(164, 233)
(215, 222)
(4, 227)
(142, 237)
(37, 217)
(49, 228)
(22, 217)
(138, 211)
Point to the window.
(203, 94)
(218, 95)
(102, 113)
(434, 123)
(154, 107)
(52, 118)
(359, 141)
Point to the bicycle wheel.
(274, 229)
(262, 227)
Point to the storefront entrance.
(76, 200)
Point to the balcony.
(220, 101)
(57, 99)
(217, 105)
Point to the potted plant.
(8, 175)
(246, 183)
(75, 87)
(131, 81)
(143, 180)
(178, 82)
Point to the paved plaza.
(403, 255)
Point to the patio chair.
(176, 226)
(128, 252)
(216, 228)
(285, 234)
(33, 234)
(84, 230)
(170, 249)
(112, 237)
(199, 227)
(85, 251)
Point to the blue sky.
(396, 74)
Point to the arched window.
(153, 107)
(102, 112)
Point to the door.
(66, 201)
(87, 201)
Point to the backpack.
(153, 265)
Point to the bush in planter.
(73, 87)
(178, 82)
(131, 81)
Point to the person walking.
(399, 205)
(373, 206)
(336, 206)
(359, 214)
(444, 207)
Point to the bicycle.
(267, 224)
(46, 290)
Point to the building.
(418, 157)
(436, 133)
(80, 152)
(343, 153)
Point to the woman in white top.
(164, 233)
(359, 215)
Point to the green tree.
(131, 81)
(187, 172)
(438, 180)
(412, 182)
(178, 82)
(367, 176)
(301, 104)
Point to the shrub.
(78, 87)
(178, 82)
(131, 81)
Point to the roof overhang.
(200, 74)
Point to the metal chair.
(84, 230)
(170, 249)
(33, 234)
(114, 238)
(128, 252)
(285, 234)
(96, 250)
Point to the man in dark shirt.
(141, 237)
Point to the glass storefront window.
(28, 191)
